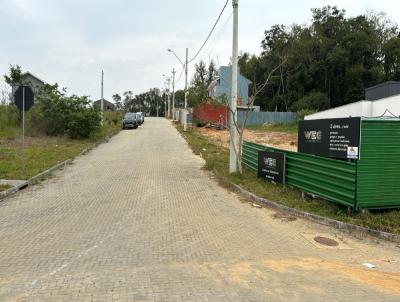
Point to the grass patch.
(42, 152)
(290, 128)
(217, 157)
(4, 187)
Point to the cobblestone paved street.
(137, 219)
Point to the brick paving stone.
(137, 219)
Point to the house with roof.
(30, 80)
(108, 106)
(222, 86)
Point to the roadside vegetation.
(57, 128)
(216, 158)
(42, 151)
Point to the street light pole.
(169, 97)
(173, 94)
(186, 84)
(165, 103)
(102, 98)
(168, 80)
(233, 110)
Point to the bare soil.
(281, 140)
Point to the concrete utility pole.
(102, 98)
(173, 94)
(233, 110)
(185, 66)
(186, 92)
(168, 81)
(165, 103)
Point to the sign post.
(24, 100)
(272, 166)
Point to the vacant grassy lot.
(42, 152)
(216, 158)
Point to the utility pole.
(186, 92)
(102, 98)
(169, 96)
(165, 103)
(173, 94)
(233, 110)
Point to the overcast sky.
(71, 41)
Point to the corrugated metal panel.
(382, 90)
(378, 181)
(217, 114)
(260, 117)
(330, 179)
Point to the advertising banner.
(271, 166)
(336, 138)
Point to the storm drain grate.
(325, 241)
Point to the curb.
(35, 179)
(343, 226)
(91, 147)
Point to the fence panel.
(328, 178)
(261, 117)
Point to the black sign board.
(271, 166)
(19, 97)
(336, 138)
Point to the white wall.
(391, 103)
(361, 109)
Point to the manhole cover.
(326, 241)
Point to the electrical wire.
(217, 37)
(180, 75)
(212, 29)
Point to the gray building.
(30, 80)
(108, 106)
(222, 86)
(382, 90)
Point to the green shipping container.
(373, 181)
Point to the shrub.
(303, 112)
(9, 116)
(73, 115)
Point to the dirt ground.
(281, 140)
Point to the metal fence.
(261, 117)
(328, 178)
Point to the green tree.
(117, 101)
(15, 76)
(203, 76)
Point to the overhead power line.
(180, 75)
(216, 39)
(209, 35)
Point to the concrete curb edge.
(343, 226)
(33, 180)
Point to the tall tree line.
(324, 64)
(146, 102)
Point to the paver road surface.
(137, 219)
